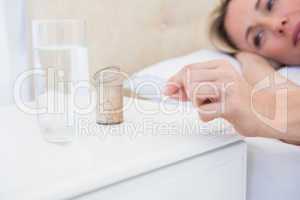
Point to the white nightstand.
(215, 175)
(129, 164)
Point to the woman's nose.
(278, 25)
(275, 24)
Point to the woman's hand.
(216, 90)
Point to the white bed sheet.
(273, 166)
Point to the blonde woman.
(268, 30)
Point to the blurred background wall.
(133, 33)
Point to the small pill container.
(109, 86)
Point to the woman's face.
(270, 28)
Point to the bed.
(272, 164)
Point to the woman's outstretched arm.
(255, 107)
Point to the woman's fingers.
(210, 111)
(174, 84)
(204, 90)
(201, 92)
(180, 95)
(171, 89)
(194, 79)
(203, 75)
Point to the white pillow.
(150, 82)
(169, 67)
(292, 73)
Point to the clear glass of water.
(60, 57)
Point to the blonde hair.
(218, 33)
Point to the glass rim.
(75, 28)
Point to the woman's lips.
(296, 36)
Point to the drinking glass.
(60, 54)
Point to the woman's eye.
(257, 39)
(270, 5)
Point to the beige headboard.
(133, 33)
